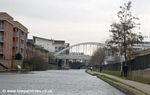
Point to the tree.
(98, 57)
(18, 56)
(124, 34)
(35, 63)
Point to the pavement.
(141, 88)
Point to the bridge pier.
(65, 64)
(74, 60)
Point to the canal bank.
(126, 86)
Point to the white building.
(137, 47)
(47, 44)
(50, 44)
(143, 46)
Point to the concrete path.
(137, 85)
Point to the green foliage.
(18, 56)
(123, 32)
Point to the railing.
(1, 51)
(1, 29)
(22, 46)
(2, 64)
(1, 39)
(139, 63)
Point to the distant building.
(47, 44)
(35, 50)
(60, 45)
(42, 53)
(51, 45)
(30, 52)
(139, 49)
(143, 46)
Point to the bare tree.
(98, 57)
(123, 35)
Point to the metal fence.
(112, 67)
(139, 63)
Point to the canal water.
(54, 82)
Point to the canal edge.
(127, 89)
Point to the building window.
(22, 32)
(17, 33)
(56, 48)
(17, 39)
(14, 29)
(25, 36)
(1, 24)
(21, 50)
(13, 48)
(22, 41)
(13, 39)
(16, 48)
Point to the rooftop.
(6, 16)
(20, 26)
(55, 41)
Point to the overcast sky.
(74, 21)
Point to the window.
(25, 35)
(13, 39)
(1, 24)
(14, 29)
(21, 50)
(16, 48)
(17, 33)
(17, 39)
(13, 48)
(22, 32)
(22, 41)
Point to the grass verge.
(126, 88)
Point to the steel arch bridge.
(77, 53)
(81, 44)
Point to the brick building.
(6, 39)
(13, 36)
(13, 41)
(34, 50)
(30, 49)
(42, 53)
(19, 39)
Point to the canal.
(54, 82)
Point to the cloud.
(72, 20)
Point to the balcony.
(1, 29)
(17, 34)
(1, 25)
(1, 51)
(1, 39)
